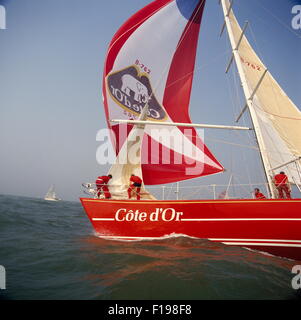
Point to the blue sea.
(50, 252)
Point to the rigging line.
(250, 137)
(253, 147)
(231, 94)
(275, 96)
(235, 97)
(217, 57)
(276, 102)
(236, 82)
(270, 79)
(276, 115)
(234, 144)
(231, 151)
(209, 186)
(288, 144)
(279, 20)
(270, 152)
(239, 103)
(236, 102)
(243, 188)
(276, 153)
(237, 91)
(240, 99)
(298, 171)
(254, 38)
(232, 98)
(134, 26)
(189, 24)
(280, 155)
(247, 168)
(257, 50)
(196, 11)
(202, 66)
(236, 86)
(191, 195)
(179, 44)
(168, 196)
(257, 47)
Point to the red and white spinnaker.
(151, 59)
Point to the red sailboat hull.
(271, 226)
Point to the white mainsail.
(277, 117)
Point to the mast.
(249, 95)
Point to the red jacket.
(136, 179)
(280, 179)
(102, 180)
(259, 195)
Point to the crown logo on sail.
(132, 90)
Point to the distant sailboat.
(51, 195)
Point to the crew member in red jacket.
(281, 183)
(136, 184)
(101, 185)
(258, 194)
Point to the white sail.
(278, 117)
(51, 195)
(128, 162)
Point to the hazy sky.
(51, 60)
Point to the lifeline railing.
(210, 191)
(193, 192)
